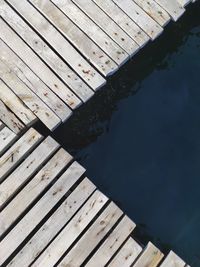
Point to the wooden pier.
(52, 215)
(55, 54)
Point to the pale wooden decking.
(52, 215)
(7, 137)
(55, 54)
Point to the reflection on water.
(139, 138)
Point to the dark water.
(139, 139)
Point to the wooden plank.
(37, 66)
(70, 233)
(152, 28)
(45, 52)
(18, 234)
(121, 18)
(184, 3)
(18, 151)
(33, 82)
(151, 257)
(92, 237)
(127, 254)
(59, 43)
(79, 39)
(154, 10)
(33, 189)
(9, 119)
(108, 25)
(7, 137)
(53, 225)
(27, 169)
(174, 9)
(32, 101)
(112, 243)
(172, 260)
(93, 31)
(16, 105)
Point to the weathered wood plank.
(30, 192)
(18, 234)
(33, 82)
(112, 243)
(7, 137)
(92, 237)
(37, 66)
(9, 119)
(124, 21)
(172, 260)
(154, 10)
(127, 254)
(53, 225)
(152, 28)
(151, 256)
(18, 151)
(69, 234)
(184, 3)
(16, 105)
(174, 9)
(59, 43)
(79, 39)
(32, 101)
(93, 31)
(27, 169)
(45, 52)
(108, 25)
